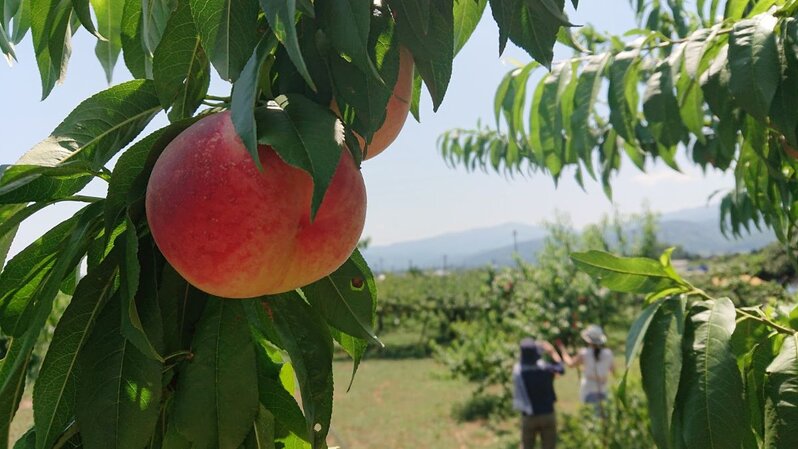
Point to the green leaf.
(622, 95)
(181, 308)
(55, 390)
(467, 14)
(273, 395)
(50, 30)
(26, 441)
(24, 273)
(661, 366)
(346, 24)
(118, 387)
(354, 346)
(109, 24)
(781, 412)
(753, 54)
(91, 134)
(754, 364)
(347, 298)
(306, 135)
(10, 217)
(8, 8)
(587, 89)
(415, 103)
(713, 390)
(430, 38)
(9, 403)
(5, 46)
(21, 21)
(19, 351)
(129, 294)
(31, 280)
(227, 29)
(262, 434)
(361, 98)
(181, 70)
(308, 342)
(691, 105)
(661, 108)
(782, 113)
(627, 274)
(217, 397)
(154, 18)
(280, 14)
(531, 24)
(634, 341)
(137, 60)
(172, 439)
(83, 12)
(245, 95)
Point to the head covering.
(594, 335)
(529, 352)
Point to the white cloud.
(662, 176)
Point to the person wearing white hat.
(596, 359)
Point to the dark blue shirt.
(539, 384)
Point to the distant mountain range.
(697, 230)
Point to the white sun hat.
(593, 334)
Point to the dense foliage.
(141, 358)
(718, 82)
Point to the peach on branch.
(237, 232)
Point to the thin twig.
(70, 431)
(767, 322)
(760, 319)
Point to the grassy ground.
(396, 403)
(399, 404)
(22, 421)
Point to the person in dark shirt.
(533, 393)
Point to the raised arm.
(566, 357)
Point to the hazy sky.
(411, 191)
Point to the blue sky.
(411, 191)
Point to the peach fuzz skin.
(397, 110)
(235, 232)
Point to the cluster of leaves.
(715, 376)
(139, 357)
(719, 82)
(615, 425)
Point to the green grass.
(397, 404)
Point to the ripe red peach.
(236, 232)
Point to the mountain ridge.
(697, 230)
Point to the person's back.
(534, 395)
(597, 364)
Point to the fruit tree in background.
(256, 195)
(717, 80)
